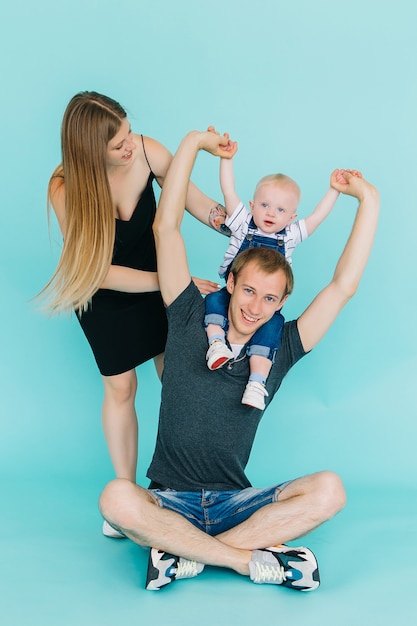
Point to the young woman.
(104, 201)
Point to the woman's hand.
(205, 286)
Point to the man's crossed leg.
(254, 547)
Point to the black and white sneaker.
(295, 568)
(164, 568)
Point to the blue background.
(304, 87)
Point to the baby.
(270, 223)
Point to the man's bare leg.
(133, 511)
(303, 505)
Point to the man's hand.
(338, 177)
(226, 145)
(352, 183)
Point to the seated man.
(201, 508)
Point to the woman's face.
(120, 148)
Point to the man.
(200, 508)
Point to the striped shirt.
(239, 222)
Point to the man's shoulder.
(291, 349)
(290, 333)
(190, 298)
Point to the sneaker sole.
(253, 405)
(219, 363)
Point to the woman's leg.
(120, 423)
(159, 364)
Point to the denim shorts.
(214, 512)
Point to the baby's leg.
(261, 352)
(216, 324)
(215, 332)
(259, 366)
(255, 391)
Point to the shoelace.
(261, 390)
(269, 573)
(186, 569)
(258, 388)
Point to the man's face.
(255, 297)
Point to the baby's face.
(274, 207)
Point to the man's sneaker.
(295, 568)
(109, 531)
(218, 354)
(163, 568)
(254, 395)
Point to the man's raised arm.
(173, 272)
(319, 316)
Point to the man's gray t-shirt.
(205, 433)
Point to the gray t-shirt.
(205, 433)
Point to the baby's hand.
(339, 177)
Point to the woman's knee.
(120, 388)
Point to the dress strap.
(144, 152)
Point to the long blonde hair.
(90, 121)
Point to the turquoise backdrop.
(304, 87)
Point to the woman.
(103, 198)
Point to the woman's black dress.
(127, 329)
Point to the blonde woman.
(103, 199)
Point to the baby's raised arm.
(227, 177)
(328, 201)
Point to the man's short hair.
(268, 261)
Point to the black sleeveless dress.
(127, 329)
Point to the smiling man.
(201, 508)
(259, 282)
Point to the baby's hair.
(279, 179)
